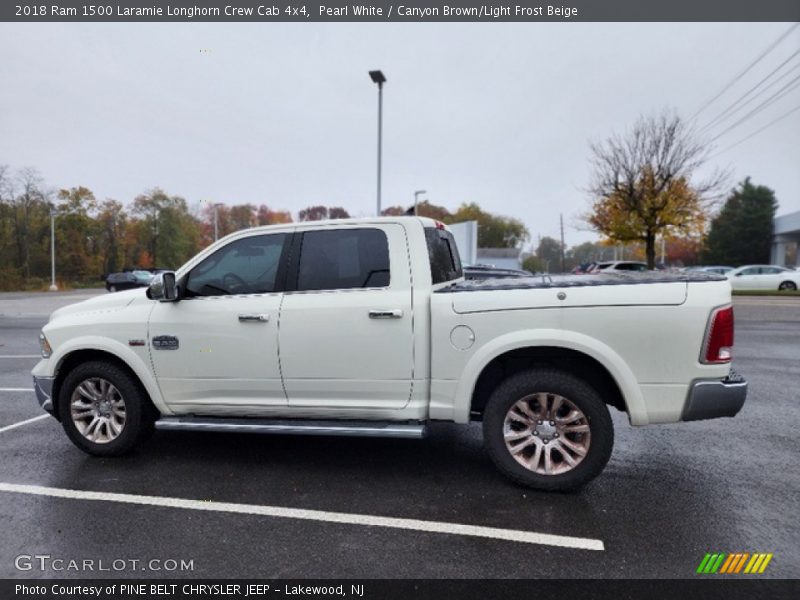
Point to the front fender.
(528, 338)
(136, 360)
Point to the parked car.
(619, 265)
(128, 280)
(763, 277)
(380, 334)
(492, 272)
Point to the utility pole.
(563, 262)
(53, 286)
(216, 221)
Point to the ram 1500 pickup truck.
(367, 327)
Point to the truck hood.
(101, 303)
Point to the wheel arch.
(68, 359)
(576, 353)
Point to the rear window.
(443, 255)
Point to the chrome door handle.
(254, 318)
(386, 314)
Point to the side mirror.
(738, 275)
(163, 287)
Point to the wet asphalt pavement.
(670, 493)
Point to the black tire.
(139, 413)
(112, 288)
(575, 391)
(788, 285)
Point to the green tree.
(79, 252)
(742, 231)
(549, 254)
(171, 234)
(494, 231)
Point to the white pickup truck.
(367, 327)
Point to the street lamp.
(379, 78)
(416, 195)
(216, 221)
(53, 286)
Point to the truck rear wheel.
(103, 409)
(547, 429)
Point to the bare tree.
(644, 182)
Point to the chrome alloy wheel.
(97, 410)
(546, 433)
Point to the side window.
(343, 259)
(750, 271)
(443, 255)
(246, 266)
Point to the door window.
(343, 259)
(245, 266)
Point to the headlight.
(44, 345)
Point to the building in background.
(502, 258)
(786, 239)
(466, 236)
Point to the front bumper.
(709, 399)
(43, 386)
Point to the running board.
(294, 427)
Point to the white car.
(619, 265)
(367, 327)
(764, 277)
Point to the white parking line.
(20, 356)
(511, 535)
(16, 389)
(21, 423)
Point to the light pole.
(216, 221)
(416, 195)
(379, 78)
(53, 286)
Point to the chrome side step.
(294, 427)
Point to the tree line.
(155, 230)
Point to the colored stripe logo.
(734, 563)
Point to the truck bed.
(575, 281)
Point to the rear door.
(346, 322)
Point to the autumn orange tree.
(644, 183)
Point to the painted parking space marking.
(20, 356)
(21, 423)
(511, 535)
(16, 389)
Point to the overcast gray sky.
(285, 114)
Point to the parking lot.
(669, 494)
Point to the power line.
(730, 109)
(757, 131)
(758, 59)
(774, 98)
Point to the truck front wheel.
(103, 409)
(547, 429)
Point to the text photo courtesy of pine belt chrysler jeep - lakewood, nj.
(367, 327)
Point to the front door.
(216, 350)
(346, 334)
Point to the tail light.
(719, 337)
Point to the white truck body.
(409, 351)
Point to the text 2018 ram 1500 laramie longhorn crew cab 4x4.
(367, 327)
